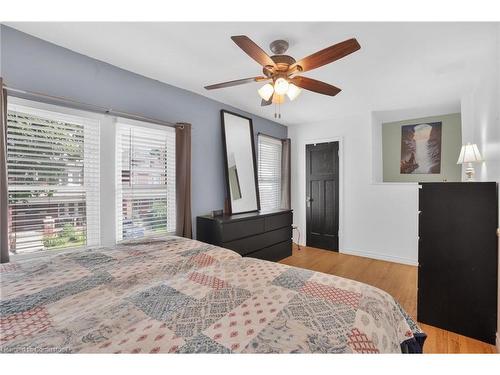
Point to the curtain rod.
(94, 108)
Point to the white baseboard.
(498, 342)
(388, 258)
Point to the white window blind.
(145, 180)
(269, 172)
(53, 180)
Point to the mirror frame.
(254, 160)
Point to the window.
(145, 178)
(269, 172)
(53, 180)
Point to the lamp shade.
(281, 86)
(469, 154)
(266, 91)
(293, 91)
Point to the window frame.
(107, 125)
(277, 180)
(63, 114)
(117, 196)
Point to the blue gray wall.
(32, 64)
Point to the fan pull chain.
(277, 114)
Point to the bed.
(176, 295)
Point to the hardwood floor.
(397, 279)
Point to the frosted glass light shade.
(293, 91)
(281, 86)
(469, 154)
(266, 91)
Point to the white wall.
(481, 123)
(377, 220)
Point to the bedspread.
(175, 295)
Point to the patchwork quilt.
(175, 295)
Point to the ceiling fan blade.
(316, 86)
(327, 55)
(253, 50)
(235, 82)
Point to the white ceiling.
(400, 65)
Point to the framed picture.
(421, 148)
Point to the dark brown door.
(322, 195)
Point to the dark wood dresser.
(263, 235)
(458, 258)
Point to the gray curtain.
(183, 179)
(285, 174)
(4, 200)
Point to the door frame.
(340, 140)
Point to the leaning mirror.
(240, 166)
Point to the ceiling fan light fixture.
(266, 91)
(293, 91)
(281, 86)
(281, 70)
(278, 99)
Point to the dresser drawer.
(275, 252)
(278, 221)
(239, 229)
(248, 245)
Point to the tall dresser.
(458, 258)
(263, 235)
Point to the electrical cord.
(298, 238)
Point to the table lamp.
(469, 154)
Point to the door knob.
(308, 201)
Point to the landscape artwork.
(421, 148)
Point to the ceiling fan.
(282, 71)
